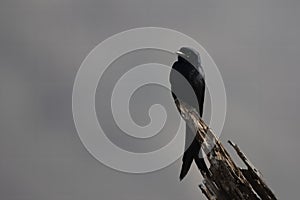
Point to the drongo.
(189, 66)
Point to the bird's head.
(190, 55)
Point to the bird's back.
(182, 90)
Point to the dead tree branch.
(226, 181)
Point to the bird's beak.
(179, 53)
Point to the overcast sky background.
(254, 43)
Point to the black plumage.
(189, 66)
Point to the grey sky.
(254, 43)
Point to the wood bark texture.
(226, 180)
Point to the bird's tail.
(188, 157)
(192, 153)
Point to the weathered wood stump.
(226, 180)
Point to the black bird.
(189, 66)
